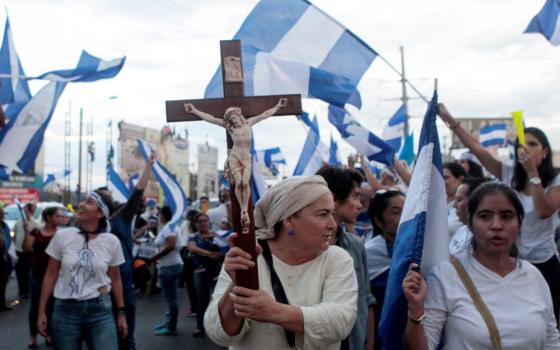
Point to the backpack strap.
(279, 293)
(479, 303)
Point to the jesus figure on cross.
(238, 163)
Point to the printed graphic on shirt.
(82, 271)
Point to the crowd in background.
(502, 220)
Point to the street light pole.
(79, 187)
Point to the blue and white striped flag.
(334, 158)
(407, 151)
(52, 177)
(116, 185)
(13, 89)
(89, 68)
(270, 158)
(132, 181)
(291, 46)
(258, 184)
(172, 191)
(493, 135)
(304, 117)
(21, 139)
(363, 140)
(422, 236)
(394, 130)
(314, 153)
(546, 22)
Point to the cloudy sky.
(485, 66)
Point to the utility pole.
(404, 95)
(79, 187)
(67, 153)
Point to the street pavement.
(150, 310)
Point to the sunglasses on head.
(386, 190)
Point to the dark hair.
(191, 215)
(474, 183)
(341, 182)
(455, 169)
(546, 169)
(48, 212)
(491, 188)
(377, 206)
(203, 197)
(166, 213)
(104, 193)
(28, 206)
(475, 170)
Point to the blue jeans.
(91, 320)
(168, 278)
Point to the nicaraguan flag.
(13, 89)
(132, 181)
(52, 177)
(21, 139)
(116, 185)
(334, 159)
(407, 151)
(172, 190)
(314, 152)
(258, 184)
(270, 158)
(304, 117)
(511, 151)
(89, 68)
(422, 236)
(291, 46)
(493, 135)
(394, 130)
(363, 140)
(546, 22)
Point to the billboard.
(172, 151)
(473, 125)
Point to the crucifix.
(237, 113)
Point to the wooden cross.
(234, 96)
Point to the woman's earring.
(291, 232)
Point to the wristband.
(121, 311)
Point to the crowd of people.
(325, 247)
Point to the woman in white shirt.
(537, 184)
(296, 222)
(170, 266)
(513, 290)
(83, 269)
(453, 175)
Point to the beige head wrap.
(285, 199)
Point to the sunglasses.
(386, 190)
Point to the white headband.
(100, 203)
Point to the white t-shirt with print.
(535, 243)
(83, 267)
(174, 256)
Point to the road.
(14, 330)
